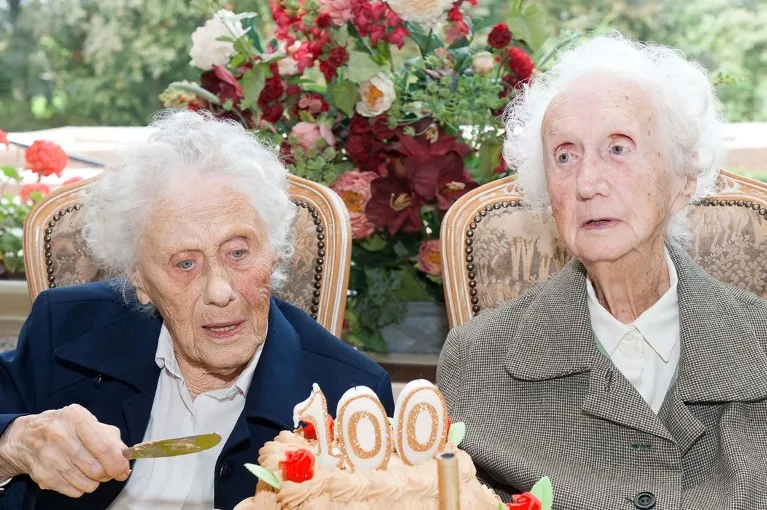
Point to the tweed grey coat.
(538, 398)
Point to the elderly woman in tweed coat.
(632, 378)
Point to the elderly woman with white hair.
(632, 378)
(195, 223)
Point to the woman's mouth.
(599, 223)
(223, 330)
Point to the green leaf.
(544, 491)
(344, 95)
(253, 82)
(361, 67)
(528, 22)
(376, 242)
(264, 475)
(195, 89)
(412, 288)
(11, 173)
(489, 156)
(457, 432)
(427, 41)
(253, 33)
(341, 35)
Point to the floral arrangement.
(44, 159)
(393, 104)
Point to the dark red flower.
(298, 466)
(272, 91)
(272, 113)
(520, 63)
(292, 90)
(380, 128)
(46, 158)
(222, 83)
(524, 501)
(338, 56)
(366, 152)
(328, 71)
(312, 103)
(323, 21)
(394, 205)
(499, 37)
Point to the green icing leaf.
(544, 491)
(457, 432)
(361, 67)
(391, 421)
(264, 475)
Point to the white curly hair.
(688, 111)
(117, 208)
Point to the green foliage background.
(103, 62)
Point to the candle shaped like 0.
(362, 429)
(420, 422)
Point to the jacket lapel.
(555, 339)
(124, 349)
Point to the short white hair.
(117, 208)
(688, 112)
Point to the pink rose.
(430, 257)
(308, 134)
(340, 11)
(354, 189)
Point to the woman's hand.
(66, 450)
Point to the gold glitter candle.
(447, 471)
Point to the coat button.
(97, 380)
(645, 501)
(226, 470)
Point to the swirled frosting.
(399, 486)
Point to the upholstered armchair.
(493, 248)
(55, 253)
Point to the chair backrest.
(55, 253)
(493, 249)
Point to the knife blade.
(172, 447)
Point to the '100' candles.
(362, 428)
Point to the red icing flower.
(298, 466)
(46, 158)
(310, 432)
(524, 501)
(499, 37)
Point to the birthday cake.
(364, 459)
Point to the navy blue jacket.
(81, 344)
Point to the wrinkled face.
(205, 263)
(611, 191)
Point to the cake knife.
(172, 447)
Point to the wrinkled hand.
(66, 450)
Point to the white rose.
(206, 50)
(483, 62)
(425, 12)
(377, 95)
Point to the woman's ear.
(690, 184)
(138, 284)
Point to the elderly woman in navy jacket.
(196, 222)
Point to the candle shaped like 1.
(314, 410)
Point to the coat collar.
(721, 358)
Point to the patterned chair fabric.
(56, 253)
(494, 249)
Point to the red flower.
(455, 14)
(338, 56)
(26, 190)
(46, 158)
(272, 91)
(524, 501)
(364, 148)
(222, 83)
(380, 127)
(272, 113)
(323, 21)
(499, 37)
(455, 30)
(430, 258)
(72, 180)
(313, 103)
(4, 139)
(394, 206)
(310, 433)
(398, 36)
(520, 63)
(298, 466)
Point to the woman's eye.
(186, 265)
(565, 157)
(238, 254)
(618, 150)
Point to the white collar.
(165, 357)
(659, 324)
